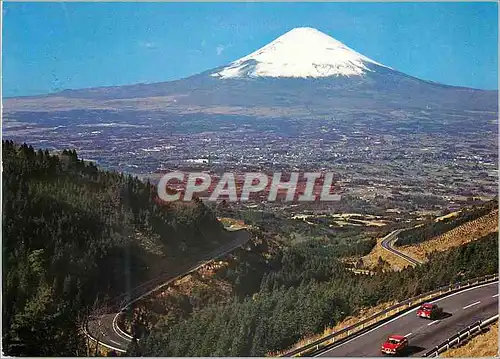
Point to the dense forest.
(304, 289)
(75, 236)
(433, 229)
(261, 261)
(71, 237)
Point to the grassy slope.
(484, 345)
(458, 236)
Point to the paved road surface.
(105, 329)
(461, 309)
(387, 244)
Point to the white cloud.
(148, 45)
(220, 49)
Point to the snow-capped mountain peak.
(301, 53)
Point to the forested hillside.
(305, 289)
(433, 229)
(74, 235)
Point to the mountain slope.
(73, 235)
(302, 69)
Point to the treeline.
(433, 229)
(316, 259)
(308, 291)
(284, 226)
(70, 239)
(263, 263)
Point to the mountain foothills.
(302, 68)
(74, 236)
(291, 283)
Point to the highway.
(105, 326)
(460, 310)
(387, 244)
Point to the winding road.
(388, 242)
(105, 328)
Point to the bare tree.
(92, 324)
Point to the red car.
(395, 344)
(428, 310)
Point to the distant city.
(418, 160)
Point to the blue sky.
(48, 47)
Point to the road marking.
(464, 291)
(471, 305)
(405, 314)
(118, 331)
(407, 335)
(215, 255)
(493, 296)
(104, 344)
(112, 341)
(436, 321)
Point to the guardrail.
(136, 293)
(123, 301)
(361, 271)
(332, 339)
(470, 331)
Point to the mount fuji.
(300, 53)
(303, 72)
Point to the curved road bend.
(387, 244)
(105, 329)
(460, 310)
